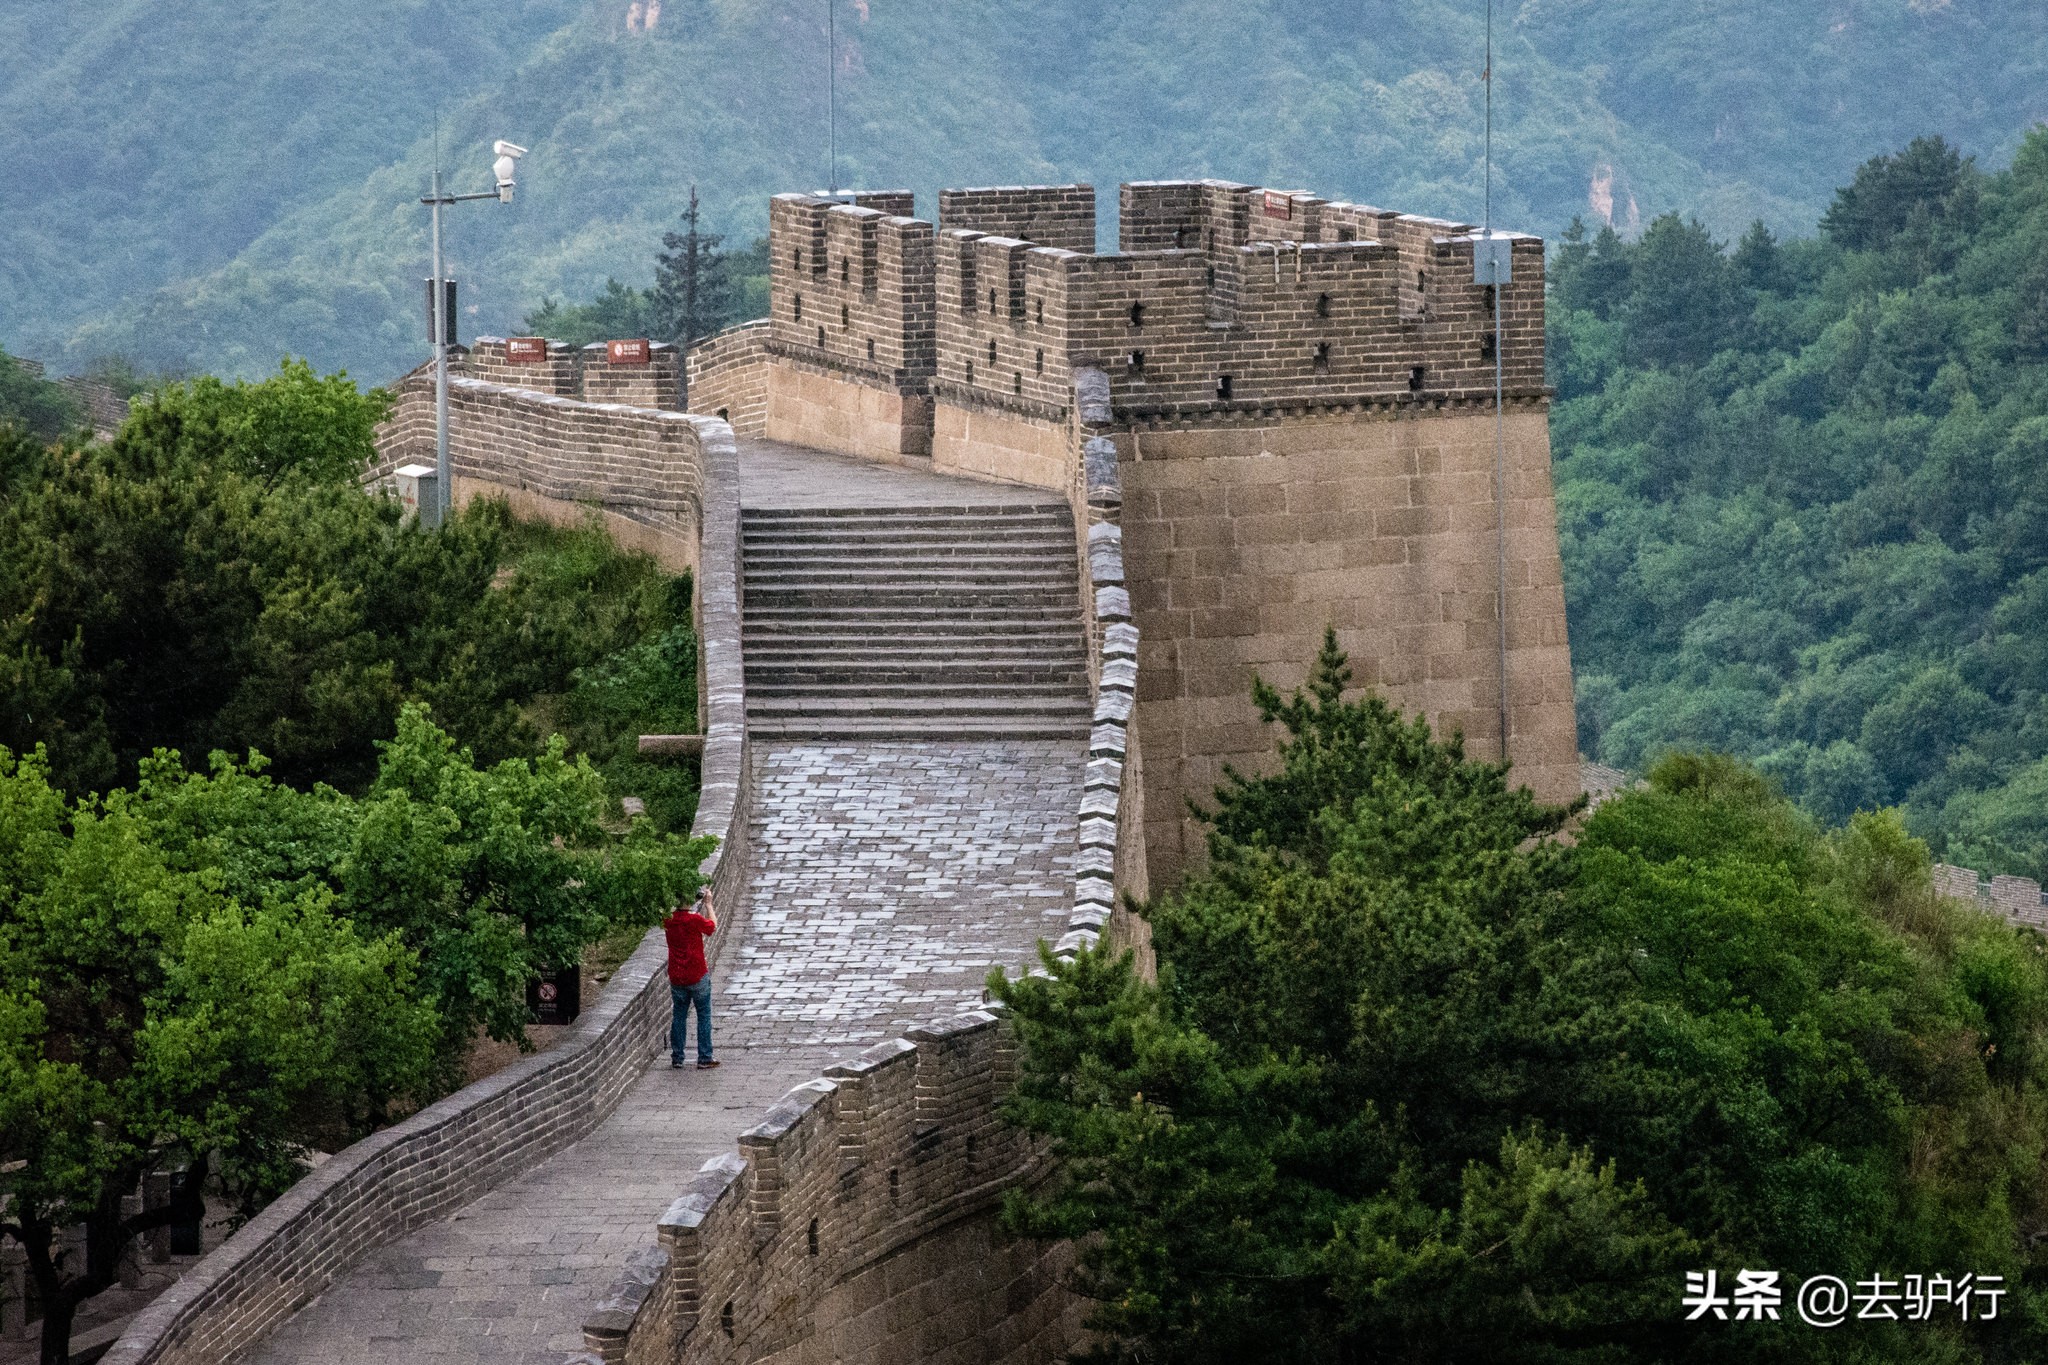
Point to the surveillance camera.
(506, 166)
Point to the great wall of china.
(991, 533)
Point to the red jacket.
(686, 930)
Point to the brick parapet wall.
(561, 374)
(451, 1152)
(656, 384)
(824, 1236)
(1213, 302)
(1049, 215)
(727, 377)
(851, 286)
(642, 463)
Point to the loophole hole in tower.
(1137, 315)
(1415, 377)
(796, 302)
(991, 350)
(844, 267)
(1136, 360)
(991, 300)
(811, 1237)
(821, 336)
(1322, 305)
(1038, 362)
(970, 372)
(871, 348)
(1039, 304)
(725, 1318)
(1487, 348)
(893, 1182)
(1017, 382)
(1322, 355)
(845, 317)
(1223, 387)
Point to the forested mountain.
(1802, 503)
(212, 184)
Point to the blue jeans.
(683, 997)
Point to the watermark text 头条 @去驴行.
(1829, 1301)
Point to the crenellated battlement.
(1297, 396)
(1224, 297)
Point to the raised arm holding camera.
(689, 978)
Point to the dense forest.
(1419, 1082)
(1801, 503)
(190, 185)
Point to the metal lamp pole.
(439, 314)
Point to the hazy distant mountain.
(217, 183)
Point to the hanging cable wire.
(832, 87)
(1500, 477)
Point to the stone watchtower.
(1299, 397)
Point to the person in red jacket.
(689, 979)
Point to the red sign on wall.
(633, 352)
(1278, 205)
(526, 350)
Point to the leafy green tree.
(1927, 186)
(619, 311)
(1800, 506)
(1757, 263)
(1681, 299)
(151, 1017)
(698, 288)
(32, 403)
(1420, 1081)
(501, 874)
(214, 577)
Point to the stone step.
(925, 650)
(918, 680)
(871, 599)
(897, 577)
(839, 552)
(915, 632)
(1032, 627)
(912, 729)
(979, 511)
(1074, 709)
(938, 541)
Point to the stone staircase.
(913, 623)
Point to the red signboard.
(526, 350)
(633, 352)
(1278, 205)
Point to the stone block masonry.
(1245, 539)
(1298, 390)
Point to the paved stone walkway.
(886, 879)
(776, 475)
